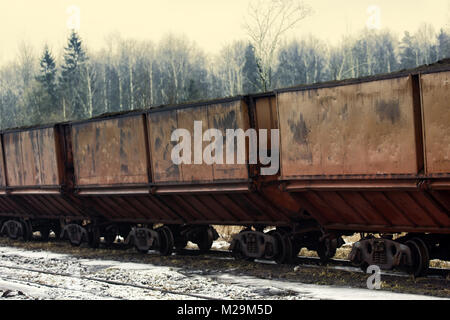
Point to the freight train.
(368, 156)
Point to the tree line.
(127, 74)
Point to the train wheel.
(94, 237)
(75, 242)
(206, 240)
(166, 241)
(13, 229)
(296, 249)
(363, 266)
(326, 249)
(180, 240)
(144, 239)
(45, 233)
(111, 235)
(237, 252)
(205, 245)
(56, 228)
(124, 231)
(284, 246)
(180, 243)
(76, 234)
(109, 239)
(420, 256)
(27, 230)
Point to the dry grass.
(226, 232)
(440, 264)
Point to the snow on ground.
(108, 279)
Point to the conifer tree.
(408, 54)
(443, 45)
(47, 75)
(250, 71)
(74, 79)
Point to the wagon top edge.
(440, 66)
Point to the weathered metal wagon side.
(435, 99)
(372, 156)
(123, 166)
(8, 207)
(365, 155)
(33, 182)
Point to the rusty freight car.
(365, 155)
(123, 168)
(374, 157)
(34, 182)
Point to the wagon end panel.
(362, 129)
(34, 176)
(110, 152)
(48, 158)
(2, 166)
(31, 158)
(266, 115)
(435, 89)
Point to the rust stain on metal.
(299, 129)
(225, 116)
(221, 116)
(110, 151)
(300, 133)
(161, 125)
(388, 110)
(436, 122)
(358, 129)
(185, 119)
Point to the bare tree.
(147, 54)
(113, 43)
(425, 41)
(128, 55)
(89, 74)
(230, 66)
(26, 62)
(268, 21)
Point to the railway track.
(313, 261)
(40, 284)
(91, 279)
(192, 275)
(304, 261)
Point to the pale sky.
(210, 23)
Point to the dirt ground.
(186, 276)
